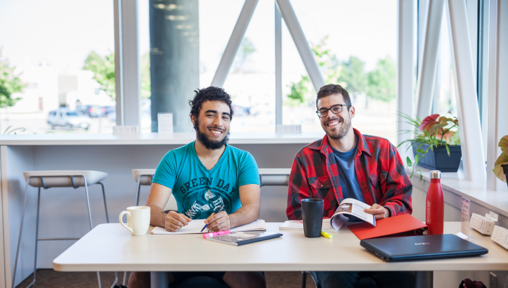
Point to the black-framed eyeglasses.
(336, 109)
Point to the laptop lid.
(421, 247)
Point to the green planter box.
(438, 158)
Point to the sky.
(61, 33)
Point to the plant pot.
(438, 159)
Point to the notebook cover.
(391, 226)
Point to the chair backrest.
(146, 176)
(274, 176)
(63, 178)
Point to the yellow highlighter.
(326, 235)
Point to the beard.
(210, 144)
(346, 126)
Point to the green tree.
(9, 83)
(353, 77)
(330, 67)
(146, 83)
(382, 81)
(104, 71)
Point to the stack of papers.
(195, 227)
(298, 225)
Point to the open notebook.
(195, 227)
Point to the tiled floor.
(47, 278)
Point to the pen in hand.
(217, 211)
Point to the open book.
(348, 207)
(351, 207)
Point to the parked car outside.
(106, 110)
(90, 110)
(69, 119)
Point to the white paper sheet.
(195, 227)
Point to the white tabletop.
(110, 247)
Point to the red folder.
(402, 225)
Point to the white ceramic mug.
(138, 219)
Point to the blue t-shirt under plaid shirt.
(199, 191)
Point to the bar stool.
(56, 178)
(142, 177)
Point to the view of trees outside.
(354, 43)
(56, 67)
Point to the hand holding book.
(378, 211)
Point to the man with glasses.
(346, 164)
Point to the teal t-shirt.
(199, 191)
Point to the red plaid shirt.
(379, 170)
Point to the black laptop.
(422, 247)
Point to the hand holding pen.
(218, 221)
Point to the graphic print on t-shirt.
(202, 196)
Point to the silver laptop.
(422, 247)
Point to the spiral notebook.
(242, 238)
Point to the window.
(58, 49)
(356, 49)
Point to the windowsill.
(154, 139)
(455, 187)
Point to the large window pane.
(355, 47)
(62, 52)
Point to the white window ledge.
(455, 187)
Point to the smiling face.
(336, 126)
(212, 125)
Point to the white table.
(110, 247)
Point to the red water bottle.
(434, 207)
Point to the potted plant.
(501, 164)
(436, 145)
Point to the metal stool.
(51, 179)
(142, 177)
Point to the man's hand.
(218, 222)
(378, 211)
(175, 221)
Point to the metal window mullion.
(118, 62)
(467, 104)
(405, 67)
(278, 66)
(301, 43)
(234, 43)
(498, 88)
(131, 71)
(427, 69)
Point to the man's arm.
(250, 197)
(397, 187)
(159, 196)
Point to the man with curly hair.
(204, 176)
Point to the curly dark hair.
(209, 94)
(332, 89)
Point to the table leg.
(159, 279)
(424, 279)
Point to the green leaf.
(447, 150)
(408, 162)
(420, 151)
